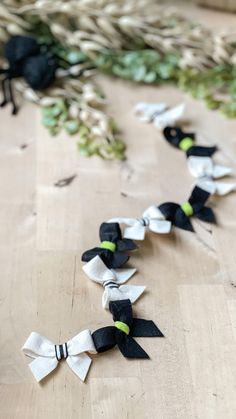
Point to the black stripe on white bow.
(125, 329)
(111, 280)
(113, 248)
(180, 215)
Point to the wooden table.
(190, 278)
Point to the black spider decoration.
(26, 60)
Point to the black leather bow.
(180, 215)
(125, 329)
(185, 141)
(112, 247)
(26, 60)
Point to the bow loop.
(47, 355)
(122, 311)
(113, 247)
(215, 188)
(204, 166)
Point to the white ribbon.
(170, 117)
(215, 188)
(158, 113)
(47, 355)
(204, 166)
(110, 279)
(147, 111)
(152, 219)
(206, 171)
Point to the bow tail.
(221, 171)
(79, 364)
(145, 328)
(206, 214)
(42, 366)
(131, 292)
(218, 188)
(130, 348)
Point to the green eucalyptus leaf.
(71, 127)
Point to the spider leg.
(12, 99)
(4, 91)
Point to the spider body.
(27, 61)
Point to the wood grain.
(191, 285)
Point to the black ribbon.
(111, 233)
(26, 60)
(174, 136)
(110, 336)
(176, 214)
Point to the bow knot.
(144, 221)
(61, 351)
(187, 209)
(108, 245)
(186, 143)
(122, 326)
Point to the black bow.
(126, 327)
(179, 214)
(26, 60)
(112, 246)
(185, 141)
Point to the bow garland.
(33, 62)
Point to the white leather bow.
(96, 270)
(215, 188)
(47, 355)
(204, 166)
(158, 113)
(152, 219)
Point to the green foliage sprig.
(216, 85)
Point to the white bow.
(152, 219)
(110, 279)
(158, 113)
(215, 188)
(204, 166)
(47, 355)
